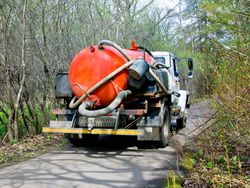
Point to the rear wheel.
(75, 142)
(165, 128)
(84, 141)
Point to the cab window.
(162, 60)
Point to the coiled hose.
(84, 107)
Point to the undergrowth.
(30, 122)
(221, 160)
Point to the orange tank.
(91, 65)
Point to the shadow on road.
(110, 162)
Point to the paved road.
(113, 163)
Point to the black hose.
(146, 50)
(156, 64)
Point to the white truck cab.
(179, 103)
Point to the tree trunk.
(5, 38)
(19, 94)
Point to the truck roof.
(162, 53)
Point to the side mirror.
(190, 67)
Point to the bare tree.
(23, 67)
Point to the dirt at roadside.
(29, 148)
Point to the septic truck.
(109, 90)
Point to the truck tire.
(84, 141)
(76, 142)
(165, 132)
(181, 123)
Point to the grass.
(33, 127)
(187, 162)
(3, 122)
(174, 180)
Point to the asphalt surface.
(111, 162)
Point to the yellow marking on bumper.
(93, 131)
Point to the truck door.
(175, 73)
